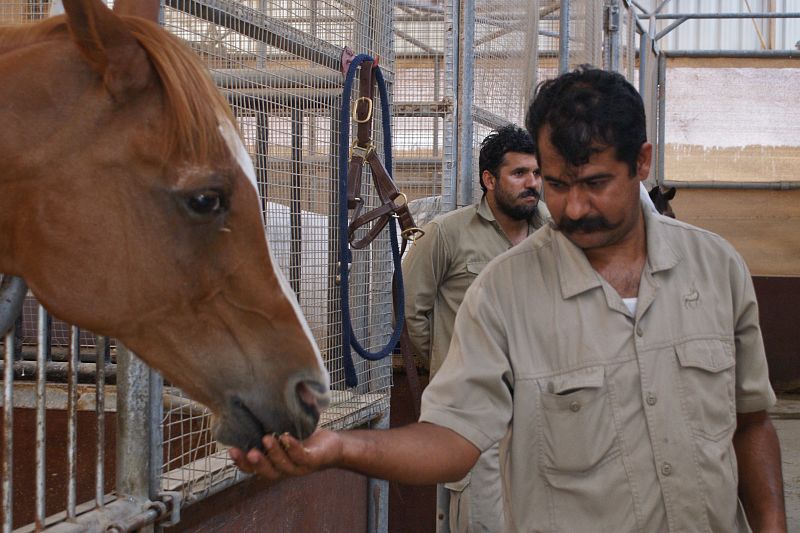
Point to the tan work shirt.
(441, 266)
(610, 421)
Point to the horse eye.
(206, 202)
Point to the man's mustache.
(530, 192)
(585, 225)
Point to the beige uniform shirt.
(441, 266)
(611, 422)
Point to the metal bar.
(72, 419)
(8, 431)
(677, 16)
(563, 39)
(42, 349)
(133, 430)
(669, 28)
(59, 371)
(100, 417)
(612, 49)
(661, 101)
(450, 134)
(735, 54)
(437, 72)
(487, 118)
(156, 443)
(295, 217)
(378, 490)
(755, 185)
(465, 97)
(247, 21)
(277, 78)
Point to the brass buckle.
(369, 109)
(361, 151)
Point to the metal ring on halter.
(412, 234)
(369, 109)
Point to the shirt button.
(666, 469)
(651, 398)
(575, 407)
(639, 331)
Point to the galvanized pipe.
(465, 97)
(661, 100)
(72, 420)
(378, 489)
(133, 429)
(563, 38)
(42, 352)
(735, 54)
(8, 432)
(678, 16)
(100, 416)
(749, 185)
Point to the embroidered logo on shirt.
(691, 300)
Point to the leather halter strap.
(393, 203)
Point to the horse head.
(128, 202)
(661, 195)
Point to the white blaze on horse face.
(239, 152)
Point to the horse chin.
(238, 426)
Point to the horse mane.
(193, 106)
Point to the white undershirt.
(630, 303)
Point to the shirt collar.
(576, 274)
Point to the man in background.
(437, 272)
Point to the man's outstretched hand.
(284, 456)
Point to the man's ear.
(489, 180)
(643, 161)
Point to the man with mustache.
(439, 270)
(616, 353)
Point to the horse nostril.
(313, 396)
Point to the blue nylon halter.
(345, 254)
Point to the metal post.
(563, 37)
(661, 117)
(133, 426)
(295, 217)
(450, 134)
(378, 490)
(465, 98)
(8, 431)
(612, 37)
(72, 419)
(42, 356)
(101, 352)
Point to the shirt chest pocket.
(707, 375)
(577, 429)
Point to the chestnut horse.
(129, 205)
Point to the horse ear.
(109, 47)
(670, 194)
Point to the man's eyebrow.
(581, 179)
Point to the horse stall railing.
(71, 398)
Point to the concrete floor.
(786, 417)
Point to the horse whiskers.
(225, 230)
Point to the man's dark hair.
(587, 108)
(497, 144)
